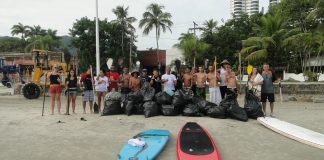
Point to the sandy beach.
(25, 134)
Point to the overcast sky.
(60, 15)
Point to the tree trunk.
(157, 47)
(122, 44)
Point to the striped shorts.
(87, 96)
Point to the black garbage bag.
(202, 104)
(112, 108)
(151, 109)
(169, 110)
(138, 109)
(163, 98)
(147, 92)
(237, 112)
(192, 110)
(136, 97)
(252, 106)
(217, 111)
(180, 99)
(129, 109)
(228, 100)
(113, 96)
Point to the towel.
(136, 142)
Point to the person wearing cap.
(135, 81)
(144, 77)
(223, 87)
(113, 79)
(214, 92)
(230, 79)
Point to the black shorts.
(269, 96)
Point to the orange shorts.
(55, 89)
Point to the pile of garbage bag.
(145, 102)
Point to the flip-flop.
(83, 119)
(60, 121)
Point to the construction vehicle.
(43, 63)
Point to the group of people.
(220, 82)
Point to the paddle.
(109, 62)
(280, 92)
(45, 83)
(95, 105)
(240, 63)
(249, 69)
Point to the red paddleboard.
(195, 143)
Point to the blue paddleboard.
(155, 141)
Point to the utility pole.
(194, 29)
(130, 51)
(97, 41)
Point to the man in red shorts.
(113, 79)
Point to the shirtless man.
(230, 80)
(214, 91)
(124, 80)
(187, 79)
(135, 81)
(201, 83)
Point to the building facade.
(238, 7)
(273, 2)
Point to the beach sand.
(26, 135)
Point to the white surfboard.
(292, 131)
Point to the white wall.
(172, 54)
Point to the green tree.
(36, 30)
(266, 45)
(83, 33)
(193, 48)
(125, 22)
(210, 27)
(42, 42)
(20, 29)
(155, 17)
(11, 44)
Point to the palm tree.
(42, 42)
(124, 21)
(36, 31)
(20, 29)
(154, 17)
(192, 47)
(317, 12)
(210, 27)
(52, 33)
(257, 48)
(264, 46)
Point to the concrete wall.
(298, 88)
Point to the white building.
(238, 7)
(273, 2)
(173, 54)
